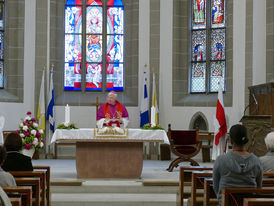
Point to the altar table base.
(109, 159)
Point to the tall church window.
(94, 45)
(208, 33)
(2, 27)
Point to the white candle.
(153, 116)
(67, 114)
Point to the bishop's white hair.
(112, 93)
(269, 140)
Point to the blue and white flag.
(144, 114)
(50, 110)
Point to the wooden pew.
(34, 183)
(231, 196)
(46, 169)
(185, 178)
(25, 192)
(210, 194)
(258, 201)
(16, 201)
(40, 174)
(197, 182)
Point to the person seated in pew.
(6, 179)
(4, 199)
(268, 159)
(237, 168)
(15, 160)
(112, 113)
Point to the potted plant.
(32, 136)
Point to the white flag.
(41, 105)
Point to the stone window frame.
(181, 59)
(13, 90)
(86, 98)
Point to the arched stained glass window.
(100, 26)
(2, 27)
(207, 45)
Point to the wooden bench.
(34, 183)
(258, 201)
(208, 136)
(185, 179)
(39, 174)
(25, 192)
(16, 201)
(45, 169)
(235, 196)
(197, 182)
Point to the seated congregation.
(21, 183)
(236, 178)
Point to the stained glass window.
(102, 45)
(73, 45)
(2, 27)
(208, 45)
(115, 45)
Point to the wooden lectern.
(261, 100)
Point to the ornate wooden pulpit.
(261, 100)
(258, 126)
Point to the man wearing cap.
(112, 113)
(268, 159)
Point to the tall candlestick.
(67, 114)
(153, 116)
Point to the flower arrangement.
(31, 135)
(149, 126)
(67, 125)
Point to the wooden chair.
(185, 145)
(34, 183)
(235, 196)
(185, 180)
(258, 201)
(24, 192)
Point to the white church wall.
(259, 42)
(180, 117)
(13, 112)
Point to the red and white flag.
(219, 144)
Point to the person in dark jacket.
(237, 168)
(15, 160)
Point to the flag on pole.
(41, 105)
(50, 110)
(219, 144)
(154, 100)
(144, 115)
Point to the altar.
(108, 157)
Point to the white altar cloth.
(88, 133)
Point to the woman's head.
(3, 154)
(13, 142)
(238, 134)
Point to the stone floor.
(114, 192)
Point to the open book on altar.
(122, 122)
(111, 132)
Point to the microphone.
(256, 102)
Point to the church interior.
(195, 66)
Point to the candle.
(67, 114)
(153, 116)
